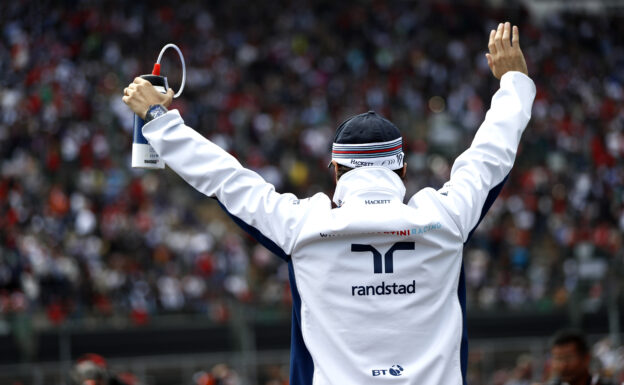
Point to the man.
(570, 358)
(377, 285)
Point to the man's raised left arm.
(479, 173)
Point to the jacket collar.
(371, 181)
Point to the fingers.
(139, 80)
(491, 45)
(168, 98)
(505, 54)
(129, 92)
(140, 94)
(515, 37)
(130, 89)
(506, 36)
(489, 61)
(498, 38)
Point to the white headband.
(386, 154)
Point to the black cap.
(366, 128)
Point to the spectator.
(220, 374)
(92, 369)
(571, 356)
(523, 372)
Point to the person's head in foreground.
(367, 140)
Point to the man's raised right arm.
(272, 218)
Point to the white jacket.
(377, 284)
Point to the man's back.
(379, 285)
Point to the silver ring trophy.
(143, 155)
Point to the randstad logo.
(395, 370)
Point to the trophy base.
(144, 156)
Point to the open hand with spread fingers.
(505, 53)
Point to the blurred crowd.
(83, 234)
(568, 360)
(94, 369)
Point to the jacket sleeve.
(478, 174)
(273, 219)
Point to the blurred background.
(136, 266)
